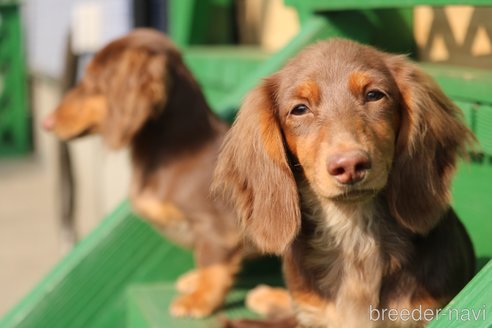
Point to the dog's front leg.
(204, 289)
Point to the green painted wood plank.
(220, 69)
(469, 112)
(484, 127)
(148, 306)
(180, 26)
(14, 114)
(321, 5)
(465, 83)
(86, 289)
(472, 194)
(201, 22)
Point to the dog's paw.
(266, 300)
(188, 282)
(192, 305)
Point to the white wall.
(102, 178)
(47, 23)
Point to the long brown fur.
(352, 187)
(137, 92)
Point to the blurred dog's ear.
(253, 173)
(137, 88)
(431, 136)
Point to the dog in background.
(137, 92)
(342, 162)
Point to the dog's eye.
(374, 95)
(299, 110)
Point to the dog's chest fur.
(346, 253)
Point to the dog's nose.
(49, 123)
(349, 167)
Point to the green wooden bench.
(122, 274)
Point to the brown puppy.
(137, 92)
(342, 163)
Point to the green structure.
(14, 118)
(122, 275)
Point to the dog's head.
(356, 123)
(125, 84)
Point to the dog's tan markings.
(309, 91)
(357, 82)
(212, 283)
(269, 301)
(160, 213)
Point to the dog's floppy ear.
(431, 136)
(254, 174)
(136, 89)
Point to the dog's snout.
(349, 167)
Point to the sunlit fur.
(137, 92)
(387, 240)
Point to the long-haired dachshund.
(137, 92)
(342, 162)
